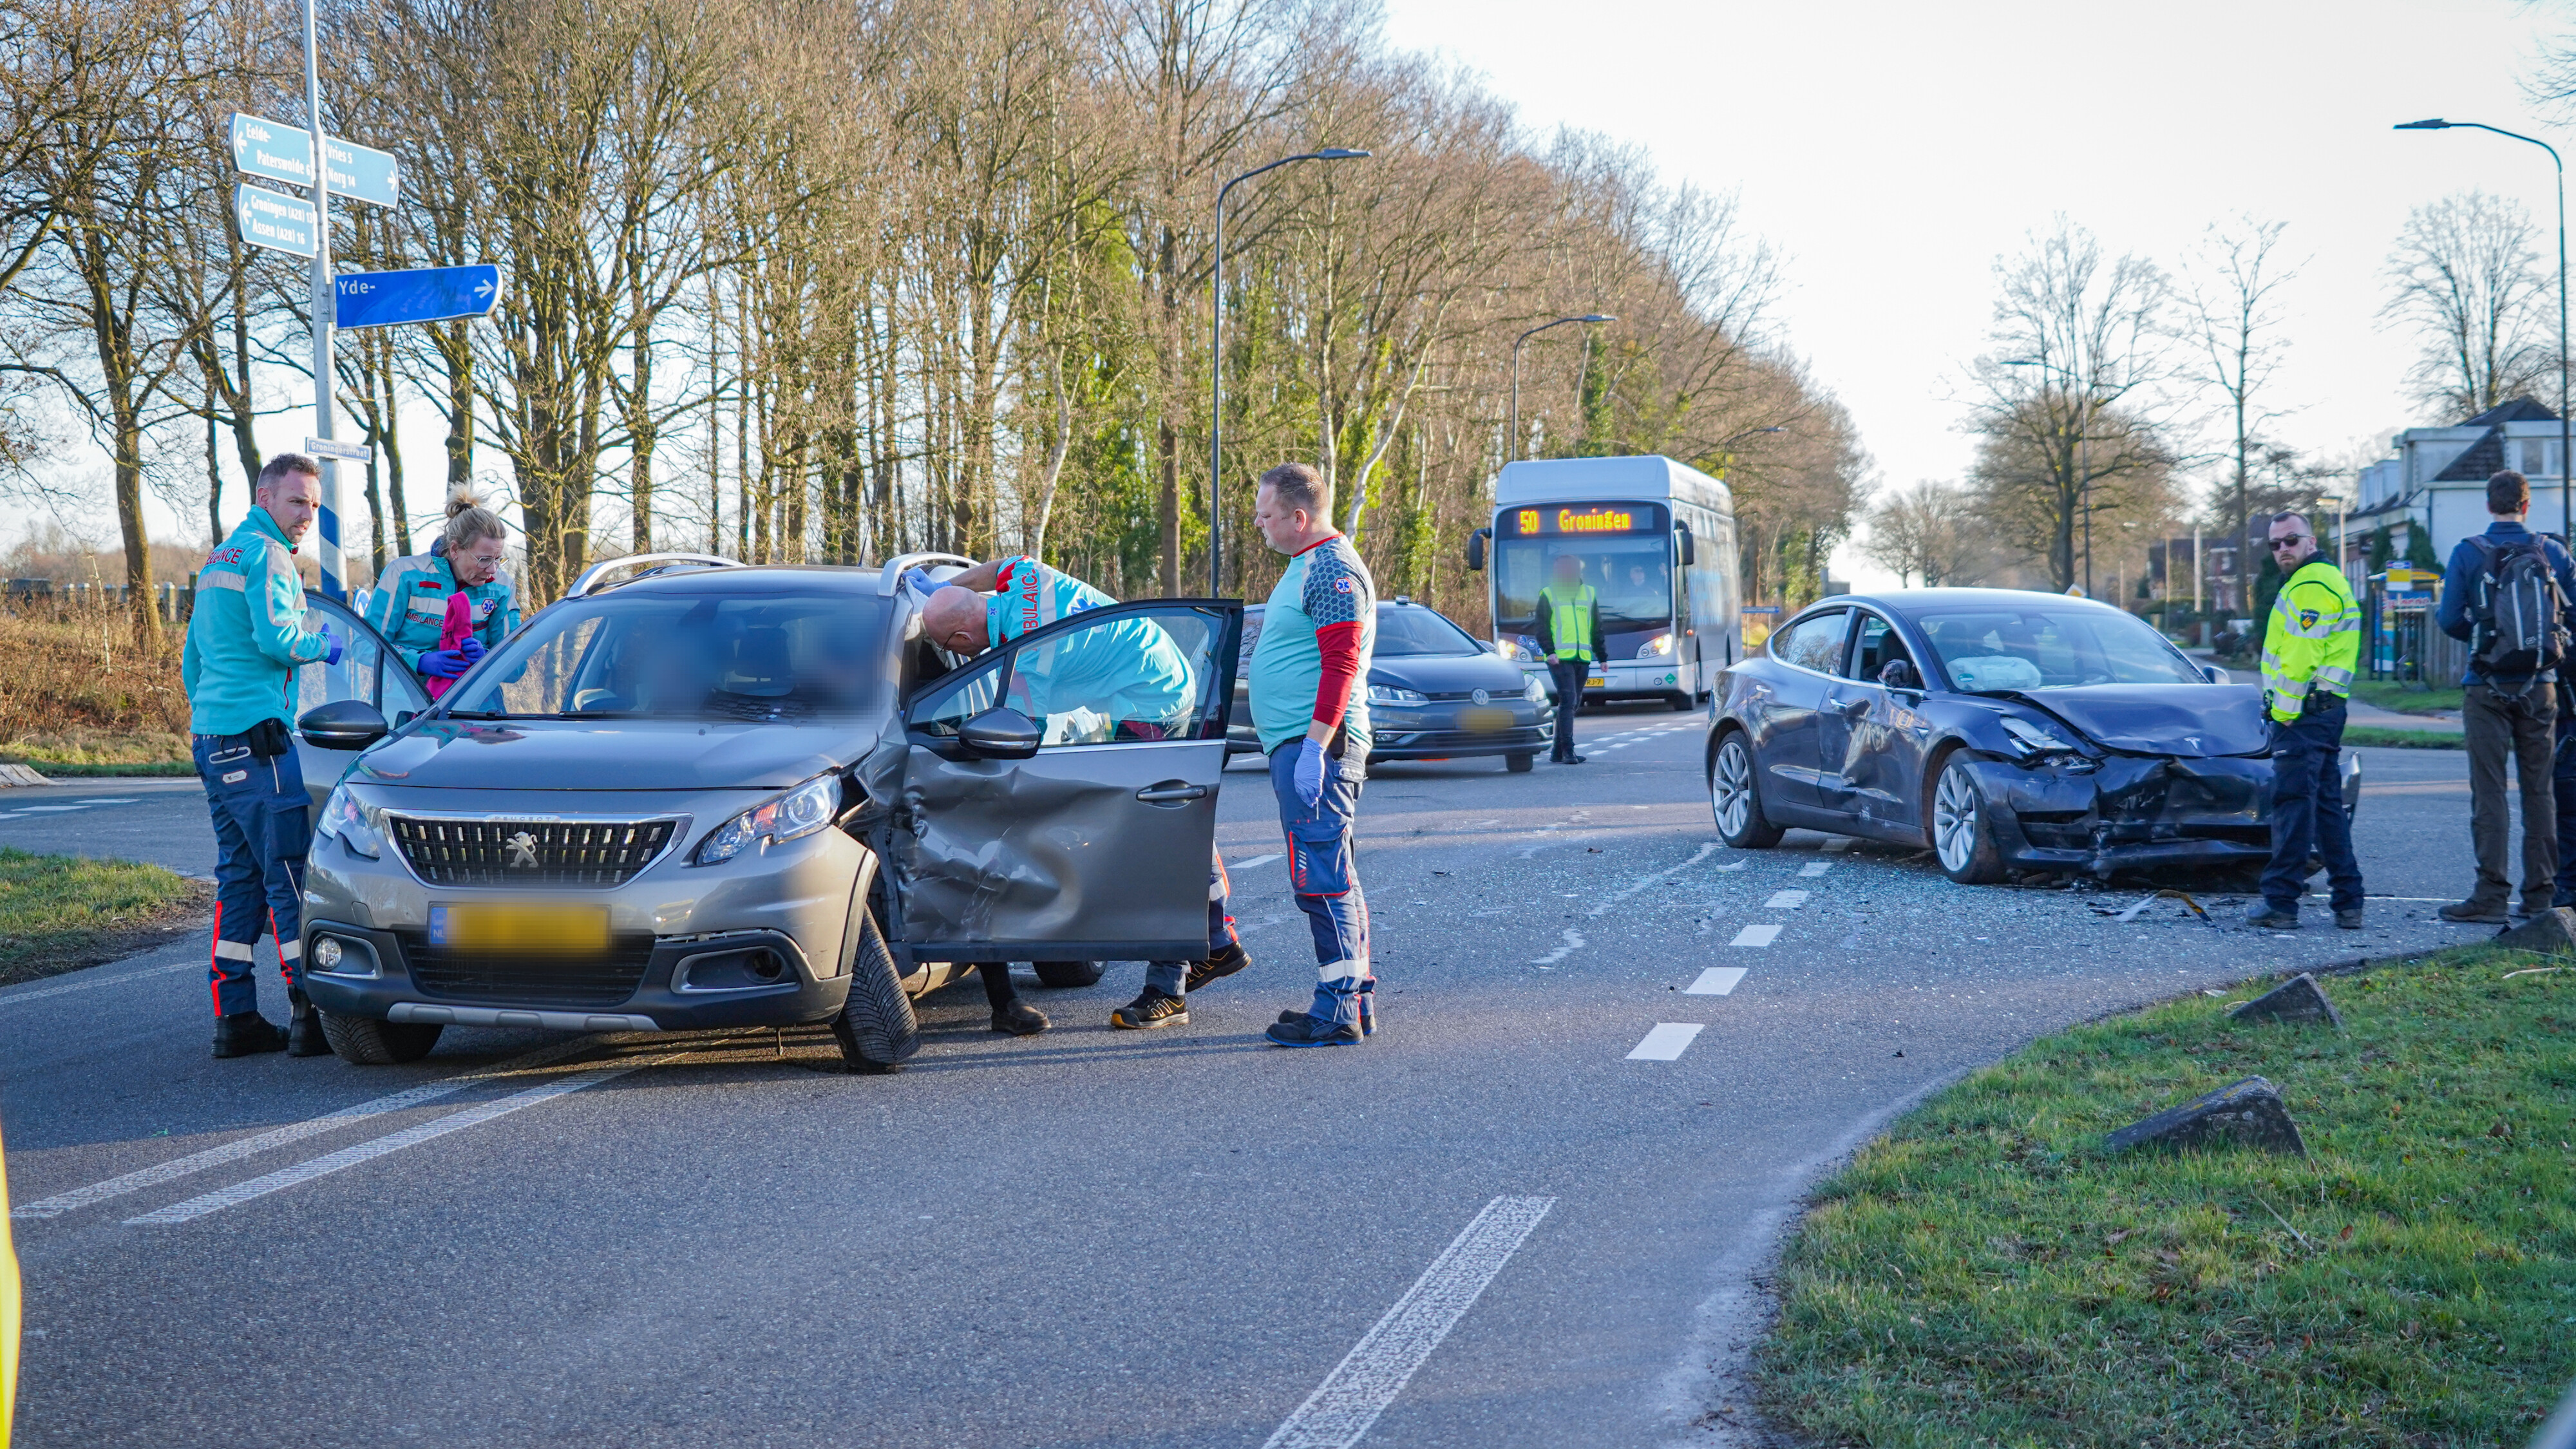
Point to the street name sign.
(285, 153)
(265, 218)
(428, 294)
(333, 448)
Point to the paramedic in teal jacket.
(247, 636)
(410, 603)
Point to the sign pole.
(334, 582)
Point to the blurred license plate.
(519, 928)
(1485, 719)
(1598, 681)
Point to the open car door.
(368, 670)
(1059, 793)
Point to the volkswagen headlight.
(1534, 689)
(351, 822)
(1659, 647)
(792, 816)
(1390, 694)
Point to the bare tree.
(2232, 329)
(2464, 275)
(1929, 532)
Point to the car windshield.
(700, 654)
(2045, 646)
(1403, 630)
(1632, 575)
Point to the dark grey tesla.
(2003, 728)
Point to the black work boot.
(304, 1036)
(1223, 963)
(244, 1033)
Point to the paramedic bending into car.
(1134, 679)
(415, 604)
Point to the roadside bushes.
(75, 689)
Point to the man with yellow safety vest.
(2311, 645)
(1569, 634)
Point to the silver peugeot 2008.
(719, 796)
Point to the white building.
(2437, 480)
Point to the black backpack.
(2515, 611)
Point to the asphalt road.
(1090, 1237)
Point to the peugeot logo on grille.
(523, 850)
(1483, 697)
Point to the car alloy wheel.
(1733, 799)
(1959, 835)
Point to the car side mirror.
(1898, 674)
(2215, 675)
(1684, 545)
(343, 724)
(1476, 549)
(1000, 734)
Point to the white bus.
(1657, 542)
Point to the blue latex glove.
(444, 663)
(472, 649)
(332, 640)
(919, 582)
(1310, 772)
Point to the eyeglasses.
(2281, 543)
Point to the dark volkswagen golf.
(2005, 729)
(1435, 693)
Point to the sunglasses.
(2282, 543)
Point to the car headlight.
(1519, 646)
(1534, 689)
(344, 817)
(1659, 647)
(792, 816)
(2033, 738)
(1390, 694)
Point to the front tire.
(1069, 974)
(1520, 764)
(1735, 796)
(876, 1029)
(1963, 839)
(367, 1042)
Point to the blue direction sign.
(267, 219)
(285, 153)
(430, 294)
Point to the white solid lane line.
(239, 1148)
(1715, 981)
(1761, 935)
(1249, 864)
(1666, 1042)
(1350, 1398)
(12, 997)
(364, 1152)
(1815, 868)
(1785, 901)
(49, 809)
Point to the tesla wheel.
(368, 1042)
(1735, 799)
(876, 1028)
(1068, 973)
(1962, 839)
(1520, 764)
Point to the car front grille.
(590, 854)
(491, 978)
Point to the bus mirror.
(1476, 549)
(1683, 545)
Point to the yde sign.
(428, 294)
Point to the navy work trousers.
(2307, 808)
(263, 827)
(1322, 874)
(1568, 675)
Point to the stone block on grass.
(2552, 932)
(2298, 999)
(2246, 1114)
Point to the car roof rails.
(895, 567)
(589, 580)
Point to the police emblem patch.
(2307, 618)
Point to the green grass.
(2403, 739)
(62, 912)
(53, 770)
(2407, 696)
(1987, 1275)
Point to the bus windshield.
(1633, 574)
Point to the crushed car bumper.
(2129, 812)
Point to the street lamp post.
(1516, 369)
(2566, 427)
(1216, 359)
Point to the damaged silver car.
(718, 796)
(2006, 730)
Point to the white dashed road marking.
(1666, 1042)
(49, 809)
(1715, 981)
(1761, 935)
(1350, 1398)
(1785, 901)
(1256, 860)
(1838, 843)
(1815, 868)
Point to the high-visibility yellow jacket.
(2313, 641)
(1572, 618)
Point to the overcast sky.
(1893, 150)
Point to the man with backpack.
(2311, 643)
(2507, 592)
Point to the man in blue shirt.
(246, 639)
(2506, 719)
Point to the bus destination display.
(1587, 518)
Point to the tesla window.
(1814, 642)
(2050, 647)
(1415, 631)
(687, 655)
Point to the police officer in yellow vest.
(2310, 646)
(1569, 634)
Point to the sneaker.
(2349, 919)
(1299, 1029)
(244, 1033)
(1151, 1010)
(2272, 917)
(1224, 963)
(1019, 1019)
(304, 1036)
(1368, 1014)
(2475, 912)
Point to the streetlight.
(1216, 357)
(2084, 455)
(1516, 367)
(2566, 524)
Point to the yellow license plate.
(1485, 720)
(513, 927)
(1598, 681)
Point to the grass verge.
(2403, 739)
(63, 912)
(2407, 696)
(1985, 1274)
(56, 771)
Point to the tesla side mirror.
(2214, 674)
(1476, 549)
(1683, 545)
(1898, 674)
(343, 724)
(1000, 734)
